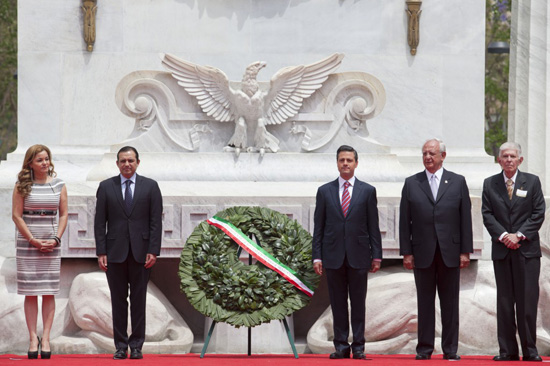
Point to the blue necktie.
(128, 196)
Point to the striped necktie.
(345, 199)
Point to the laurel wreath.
(226, 289)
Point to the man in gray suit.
(513, 212)
(347, 244)
(128, 231)
(435, 238)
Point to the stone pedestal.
(529, 100)
(266, 338)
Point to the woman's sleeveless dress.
(38, 272)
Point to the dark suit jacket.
(424, 222)
(356, 236)
(524, 214)
(115, 230)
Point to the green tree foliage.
(497, 70)
(8, 79)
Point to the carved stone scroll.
(153, 105)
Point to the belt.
(40, 212)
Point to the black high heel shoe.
(32, 355)
(45, 354)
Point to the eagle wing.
(291, 85)
(209, 85)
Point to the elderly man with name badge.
(513, 212)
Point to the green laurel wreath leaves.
(222, 287)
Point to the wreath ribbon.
(260, 254)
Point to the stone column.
(529, 98)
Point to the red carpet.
(243, 360)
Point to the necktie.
(433, 185)
(128, 196)
(510, 188)
(345, 199)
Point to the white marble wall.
(67, 96)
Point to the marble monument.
(381, 99)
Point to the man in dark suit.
(347, 244)
(128, 231)
(435, 238)
(513, 212)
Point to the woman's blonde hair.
(25, 176)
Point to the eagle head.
(253, 69)
(249, 83)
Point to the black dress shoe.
(120, 354)
(505, 357)
(535, 358)
(339, 355)
(359, 355)
(33, 355)
(421, 356)
(46, 355)
(451, 356)
(136, 354)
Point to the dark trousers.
(517, 281)
(121, 276)
(447, 282)
(341, 282)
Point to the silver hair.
(442, 147)
(510, 145)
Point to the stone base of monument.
(266, 338)
(188, 203)
(193, 191)
(82, 322)
(251, 167)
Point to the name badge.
(521, 193)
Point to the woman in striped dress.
(38, 197)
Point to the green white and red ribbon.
(260, 254)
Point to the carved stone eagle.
(249, 104)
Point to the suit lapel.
(444, 184)
(118, 192)
(357, 190)
(138, 189)
(521, 183)
(335, 194)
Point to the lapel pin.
(446, 181)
